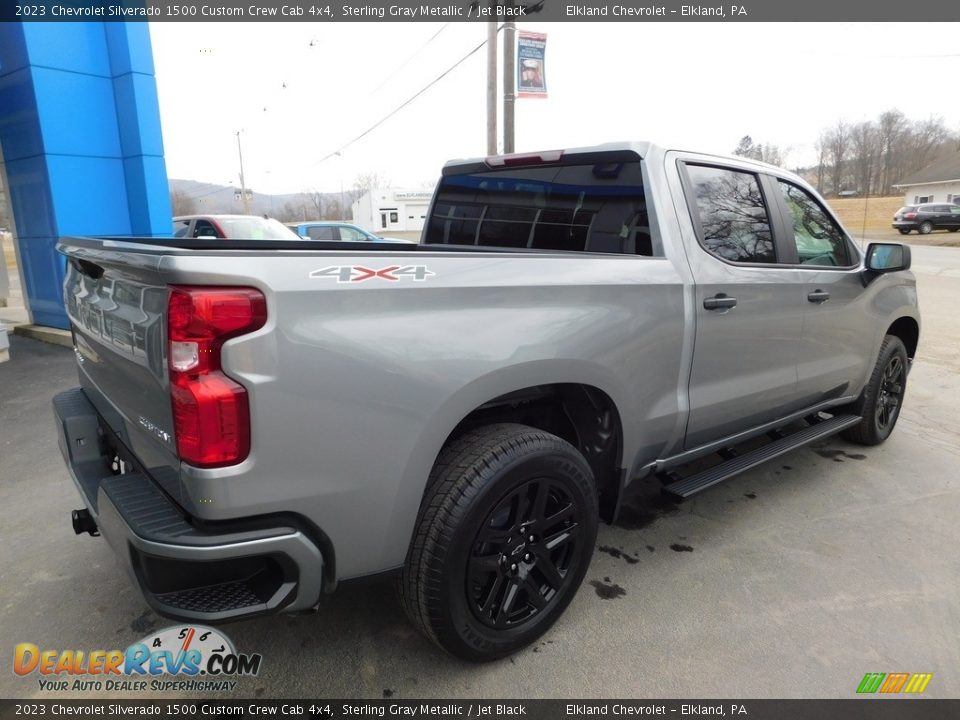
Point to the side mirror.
(887, 257)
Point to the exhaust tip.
(83, 522)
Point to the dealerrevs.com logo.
(200, 658)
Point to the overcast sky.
(300, 91)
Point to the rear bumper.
(185, 571)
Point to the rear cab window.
(589, 207)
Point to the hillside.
(210, 198)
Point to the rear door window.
(591, 207)
(732, 214)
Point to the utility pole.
(492, 87)
(343, 211)
(243, 186)
(509, 82)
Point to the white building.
(383, 210)
(938, 182)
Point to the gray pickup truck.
(258, 421)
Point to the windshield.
(255, 228)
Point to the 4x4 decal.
(359, 273)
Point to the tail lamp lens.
(211, 411)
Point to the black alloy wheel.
(891, 393)
(880, 402)
(525, 549)
(505, 534)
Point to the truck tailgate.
(116, 302)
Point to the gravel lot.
(792, 580)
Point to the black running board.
(708, 478)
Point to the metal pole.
(492, 87)
(243, 186)
(343, 210)
(509, 83)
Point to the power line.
(400, 107)
(407, 61)
(211, 192)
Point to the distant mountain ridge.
(212, 199)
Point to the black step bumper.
(186, 571)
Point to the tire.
(904, 231)
(925, 227)
(472, 583)
(882, 398)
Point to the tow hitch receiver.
(83, 522)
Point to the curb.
(55, 336)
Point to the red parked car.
(233, 227)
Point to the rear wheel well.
(582, 415)
(908, 331)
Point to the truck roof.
(641, 148)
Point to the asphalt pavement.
(792, 580)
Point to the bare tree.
(313, 200)
(764, 152)
(875, 155)
(746, 148)
(865, 153)
(332, 210)
(365, 182)
(182, 203)
(928, 138)
(891, 127)
(290, 212)
(772, 154)
(821, 146)
(838, 145)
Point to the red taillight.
(909, 216)
(211, 413)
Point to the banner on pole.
(531, 71)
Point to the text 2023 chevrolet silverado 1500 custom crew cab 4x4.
(257, 421)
